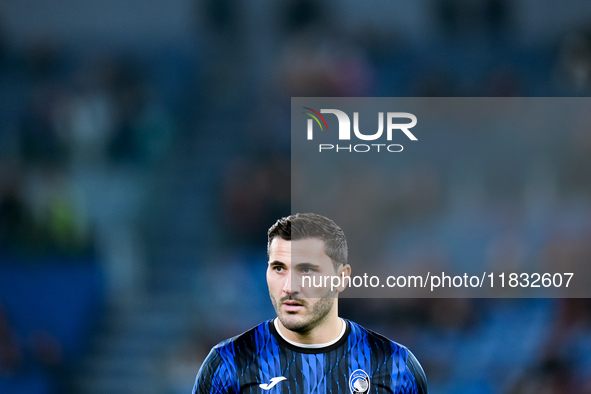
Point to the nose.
(289, 287)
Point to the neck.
(328, 330)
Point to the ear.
(344, 271)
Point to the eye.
(277, 268)
(306, 270)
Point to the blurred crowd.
(79, 135)
(85, 136)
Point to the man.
(308, 348)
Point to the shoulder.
(403, 358)
(415, 368)
(372, 338)
(248, 339)
(218, 372)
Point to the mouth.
(292, 305)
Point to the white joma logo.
(273, 382)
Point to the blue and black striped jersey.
(262, 361)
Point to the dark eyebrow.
(275, 263)
(307, 265)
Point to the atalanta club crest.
(359, 382)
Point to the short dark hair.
(311, 225)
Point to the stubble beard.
(315, 316)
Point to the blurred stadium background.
(145, 151)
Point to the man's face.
(299, 309)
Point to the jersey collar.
(310, 348)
